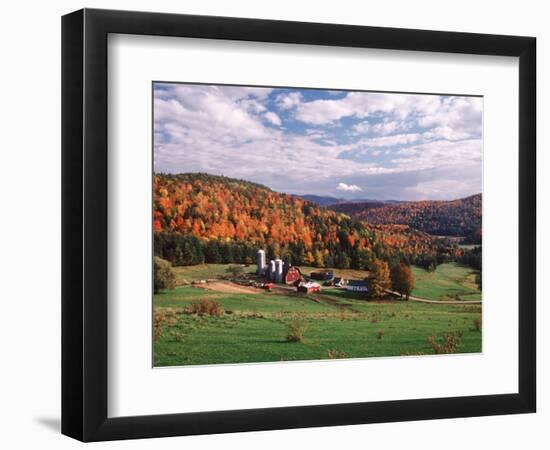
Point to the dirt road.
(229, 288)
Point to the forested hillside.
(448, 218)
(205, 218)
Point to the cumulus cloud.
(348, 187)
(392, 141)
(273, 118)
(290, 100)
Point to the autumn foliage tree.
(402, 279)
(379, 279)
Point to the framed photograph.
(273, 224)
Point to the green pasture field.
(206, 271)
(450, 281)
(254, 327)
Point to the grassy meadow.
(187, 274)
(449, 281)
(255, 326)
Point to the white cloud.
(439, 188)
(358, 104)
(273, 118)
(386, 127)
(392, 141)
(383, 128)
(348, 187)
(253, 105)
(289, 101)
(458, 155)
(361, 127)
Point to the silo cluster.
(273, 270)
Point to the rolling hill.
(460, 217)
(205, 218)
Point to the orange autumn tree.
(379, 279)
(402, 280)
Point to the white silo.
(260, 262)
(278, 271)
(272, 270)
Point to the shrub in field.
(235, 270)
(158, 319)
(449, 345)
(296, 330)
(336, 354)
(205, 307)
(163, 317)
(164, 275)
(380, 334)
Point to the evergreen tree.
(212, 253)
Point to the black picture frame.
(84, 224)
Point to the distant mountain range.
(328, 200)
(460, 217)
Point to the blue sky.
(311, 141)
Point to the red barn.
(293, 275)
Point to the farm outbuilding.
(309, 287)
(357, 286)
(338, 282)
(322, 275)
